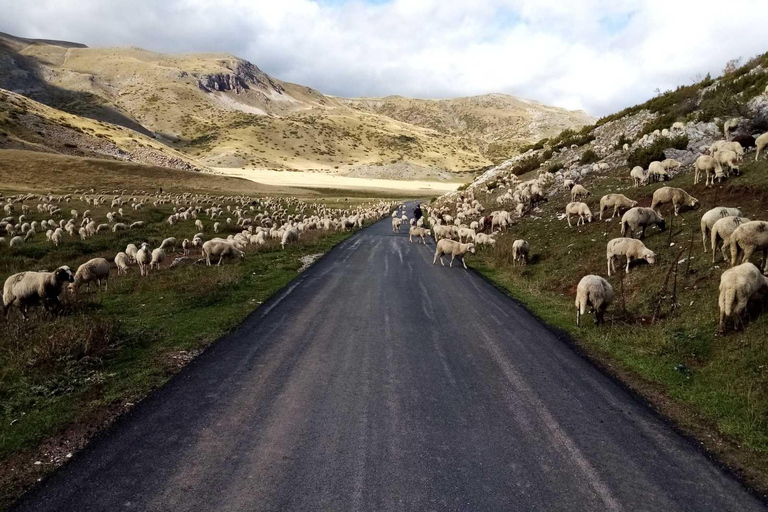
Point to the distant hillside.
(223, 111)
(500, 124)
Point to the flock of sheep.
(256, 222)
(722, 227)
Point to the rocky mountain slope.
(223, 111)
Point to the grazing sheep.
(119, 226)
(455, 249)
(57, 237)
(186, 246)
(291, 235)
(760, 143)
(580, 209)
(748, 238)
(143, 258)
(657, 172)
(27, 289)
(131, 251)
(466, 234)
(122, 262)
(675, 196)
(158, 255)
(630, 248)
(520, 250)
(483, 239)
(617, 201)
(199, 225)
(96, 269)
(169, 243)
(419, 232)
(579, 192)
(593, 292)
(729, 125)
(220, 248)
(638, 175)
(137, 225)
(708, 220)
(16, 242)
(721, 231)
(737, 286)
(708, 166)
(30, 234)
(728, 159)
(216, 227)
(640, 217)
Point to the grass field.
(64, 377)
(660, 340)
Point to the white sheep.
(593, 292)
(220, 248)
(186, 245)
(520, 251)
(455, 249)
(728, 159)
(708, 220)
(396, 223)
(721, 231)
(483, 239)
(26, 289)
(737, 286)
(16, 242)
(579, 192)
(199, 225)
(169, 243)
(143, 258)
(96, 270)
(122, 262)
(131, 251)
(158, 255)
(631, 249)
(640, 217)
(579, 209)
(760, 143)
(466, 234)
(638, 175)
(617, 201)
(419, 232)
(677, 197)
(708, 166)
(289, 236)
(748, 238)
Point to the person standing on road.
(417, 213)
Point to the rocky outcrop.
(243, 77)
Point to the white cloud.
(599, 55)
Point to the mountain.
(222, 111)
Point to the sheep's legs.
(451, 264)
(464, 263)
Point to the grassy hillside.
(225, 112)
(661, 336)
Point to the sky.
(595, 55)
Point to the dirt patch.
(308, 260)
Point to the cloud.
(597, 55)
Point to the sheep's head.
(471, 248)
(693, 202)
(649, 256)
(64, 275)
(633, 204)
(662, 224)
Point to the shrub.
(655, 152)
(623, 139)
(546, 155)
(526, 165)
(588, 157)
(555, 166)
(723, 103)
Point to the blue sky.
(596, 55)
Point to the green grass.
(63, 376)
(709, 384)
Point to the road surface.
(376, 381)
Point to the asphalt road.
(377, 381)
